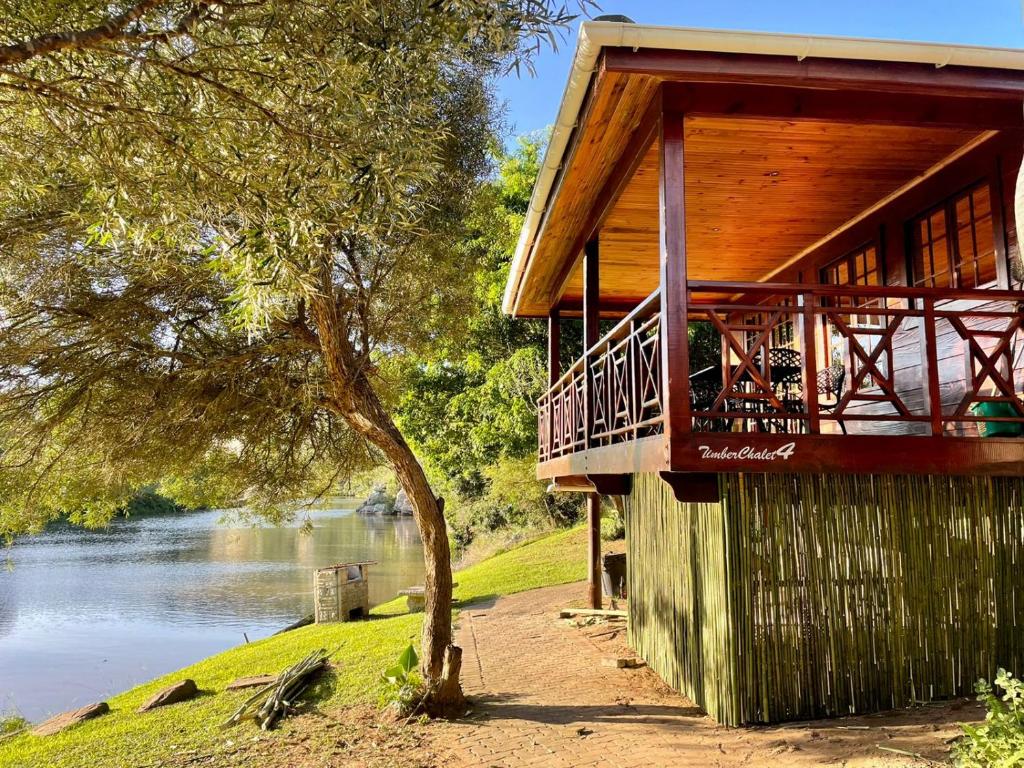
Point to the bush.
(12, 723)
(999, 741)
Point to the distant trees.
(222, 225)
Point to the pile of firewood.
(279, 697)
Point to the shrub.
(404, 690)
(999, 741)
(12, 723)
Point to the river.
(85, 614)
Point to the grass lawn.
(126, 739)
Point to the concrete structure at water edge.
(341, 592)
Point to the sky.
(532, 102)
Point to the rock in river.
(402, 504)
(378, 503)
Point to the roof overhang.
(696, 55)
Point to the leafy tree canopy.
(222, 224)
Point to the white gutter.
(595, 35)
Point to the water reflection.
(85, 614)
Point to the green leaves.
(999, 741)
(398, 674)
(175, 201)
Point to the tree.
(469, 407)
(222, 224)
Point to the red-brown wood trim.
(858, 454)
(861, 454)
(729, 287)
(841, 74)
(610, 308)
(809, 370)
(612, 485)
(644, 455)
(675, 348)
(630, 159)
(848, 107)
(700, 487)
(591, 325)
(572, 484)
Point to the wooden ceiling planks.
(618, 104)
(758, 192)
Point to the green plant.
(12, 723)
(999, 741)
(403, 690)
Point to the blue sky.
(531, 103)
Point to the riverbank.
(85, 614)
(188, 733)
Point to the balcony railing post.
(635, 352)
(931, 366)
(554, 370)
(809, 339)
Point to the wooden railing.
(866, 359)
(804, 359)
(610, 395)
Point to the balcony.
(809, 378)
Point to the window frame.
(954, 263)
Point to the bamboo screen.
(808, 596)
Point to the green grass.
(126, 739)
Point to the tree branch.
(111, 30)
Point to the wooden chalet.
(796, 268)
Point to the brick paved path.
(541, 697)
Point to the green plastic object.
(998, 428)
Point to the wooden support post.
(594, 549)
(554, 347)
(675, 347)
(933, 395)
(591, 326)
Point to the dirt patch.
(541, 696)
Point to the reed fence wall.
(799, 596)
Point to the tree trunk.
(352, 396)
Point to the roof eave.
(595, 35)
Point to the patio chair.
(703, 393)
(786, 371)
(831, 383)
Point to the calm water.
(86, 614)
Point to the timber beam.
(571, 484)
(693, 486)
(837, 74)
(852, 108)
(612, 485)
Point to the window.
(953, 245)
(860, 267)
